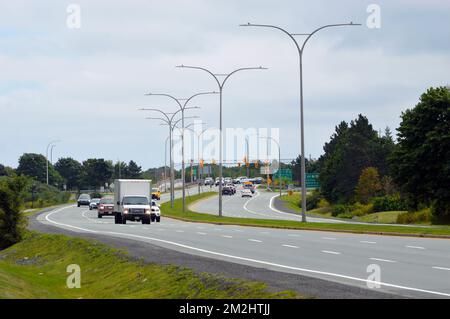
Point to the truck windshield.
(135, 200)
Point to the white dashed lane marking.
(290, 246)
(385, 260)
(255, 240)
(331, 252)
(227, 236)
(415, 247)
(328, 238)
(200, 233)
(367, 242)
(441, 268)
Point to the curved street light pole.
(183, 107)
(279, 158)
(46, 154)
(198, 151)
(248, 157)
(168, 118)
(172, 125)
(220, 85)
(300, 49)
(51, 153)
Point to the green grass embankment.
(189, 215)
(36, 268)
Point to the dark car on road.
(84, 199)
(226, 190)
(106, 207)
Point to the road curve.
(259, 206)
(411, 267)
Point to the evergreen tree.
(421, 160)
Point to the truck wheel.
(158, 219)
(99, 215)
(153, 218)
(124, 221)
(117, 219)
(78, 205)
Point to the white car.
(93, 204)
(246, 193)
(155, 215)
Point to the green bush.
(323, 203)
(96, 195)
(359, 209)
(339, 209)
(312, 201)
(389, 203)
(12, 222)
(345, 215)
(40, 195)
(420, 217)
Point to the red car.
(105, 207)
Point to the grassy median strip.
(176, 212)
(36, 268)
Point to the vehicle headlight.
(147, 211)
(125, 211)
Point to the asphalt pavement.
(403, 266)
(261, 205)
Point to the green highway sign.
(285, 173)
(312, 180)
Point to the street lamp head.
(245, 25)
(180, 66)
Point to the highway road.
(408, 266)
(258, 206)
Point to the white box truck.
(132, 200)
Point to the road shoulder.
(276, 281)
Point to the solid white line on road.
(255, 240)
(328, 238)
(331, 252)
(200, 233)
(257, 261)
(441, 268)
(290, 246)
(295, 216)
(368, 242)
(385, 260)
(415, 247)
(227, 236)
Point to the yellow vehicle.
(156, 193)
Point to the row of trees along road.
(359, 163)
(352, 148)
(91, 173)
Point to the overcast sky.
(83, 85)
